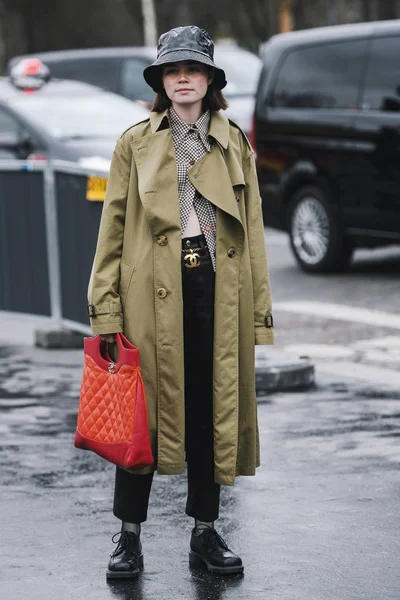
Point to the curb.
(279, 371)
(383, 379)
(58, 339)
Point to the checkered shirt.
(191, 143)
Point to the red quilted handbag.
(112, 416)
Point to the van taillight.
(252, 134)
(37, 156)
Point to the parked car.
(66, 120)
(120, 70)
(327, 134)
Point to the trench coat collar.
(219, 125)
(212, 176)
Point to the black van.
(326, 131)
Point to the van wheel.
(316, 238)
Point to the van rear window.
(321, 76)
(382, 84)
(133, 84)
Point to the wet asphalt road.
(372, 279)
(320, 521)
(372, 282)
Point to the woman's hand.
(109, 338)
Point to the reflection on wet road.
(319, 521)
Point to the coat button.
(162, 240)
(231, 252)
(162, 293)
(192, 162)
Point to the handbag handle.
(128, 354)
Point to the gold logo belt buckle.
(191, 259)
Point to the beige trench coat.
(135, 286)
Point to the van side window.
(382, 83)
(321, 76)
(133, 84)
(97, 71)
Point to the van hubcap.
(310, 231)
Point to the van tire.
(316, 237)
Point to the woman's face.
(185, 82)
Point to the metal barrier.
(48, 234)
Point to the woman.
(180, 268)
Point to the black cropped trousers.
(132, 491)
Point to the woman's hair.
(213, 100)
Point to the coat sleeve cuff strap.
(108, 308)
(268, 321)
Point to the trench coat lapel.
(213, 176)
(210, 177)
(155, 161)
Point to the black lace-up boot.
(126, 561)
(211, 550)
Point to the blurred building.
(317, 13)
(27, 27)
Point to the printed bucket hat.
(183, 43)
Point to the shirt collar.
(180, 129)
(219, 125)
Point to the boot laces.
(214, 540)
(124, 542)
